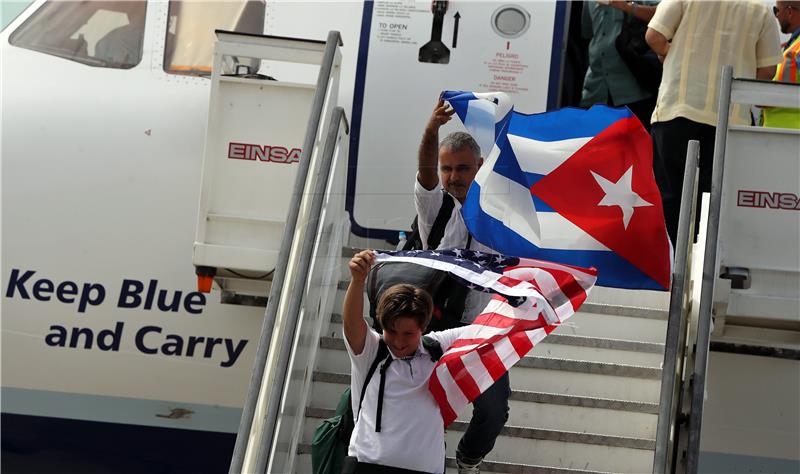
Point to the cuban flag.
(573, 186)
(531, 298)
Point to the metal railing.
(297, 292)
(244, 435)
(682, 451)
(675, 345)
(698, 377)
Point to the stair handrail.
(333, 42)
(698, 376)
(740, 91)
(675, 344)
(297, 293)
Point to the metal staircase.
(584, 400)
(618, 388)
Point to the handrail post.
(698, 380)
(675, 343)
(297, 291)
(248, 411)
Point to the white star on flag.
(620, 194)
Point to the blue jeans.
(489, 415)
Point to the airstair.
(609, 391)
(584, 400)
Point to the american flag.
(531, 298)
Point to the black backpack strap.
(383, 351)
(413, 241)
(379, 410)
(439, 224)
(433, 347)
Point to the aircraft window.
(189, 46)
(97, 33)
(10, 10)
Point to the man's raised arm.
(429, 147)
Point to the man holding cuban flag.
(571, 186)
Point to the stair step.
(304, 451)
(332, 369)
(557, 450)
(534, 410)
(530, 396)
(596, 325)
(586, 402)
(610, 416)
(567, 436)
(605, 343)
(630, 311)
(315, 416)
(627, 311)
(572, 340)
(552, 363)
(553, 448)
(566, 346)
(513, 468)
(589, 367)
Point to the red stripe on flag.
(508, 281)
(522, 325)
(494, 365)
(546, 265)
(448, 415)
(521, 342)
(463, 378)
(570, 287)
(500, 321)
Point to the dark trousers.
(670, 141)
(642, 109)
(489, 415)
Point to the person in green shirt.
(608, 79)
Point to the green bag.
(331, 438)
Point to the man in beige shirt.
(696, 39)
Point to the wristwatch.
(633, 8)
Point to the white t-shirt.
(412, 430)
(428, 203)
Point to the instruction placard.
(410, 52)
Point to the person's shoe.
(468, 465)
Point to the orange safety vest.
(790, 58)
(782, 117)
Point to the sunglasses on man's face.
(775, 10)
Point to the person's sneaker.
(468, 465)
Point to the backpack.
(448, 294)
(332, 436)
(642, 61)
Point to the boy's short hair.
(405, 301)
